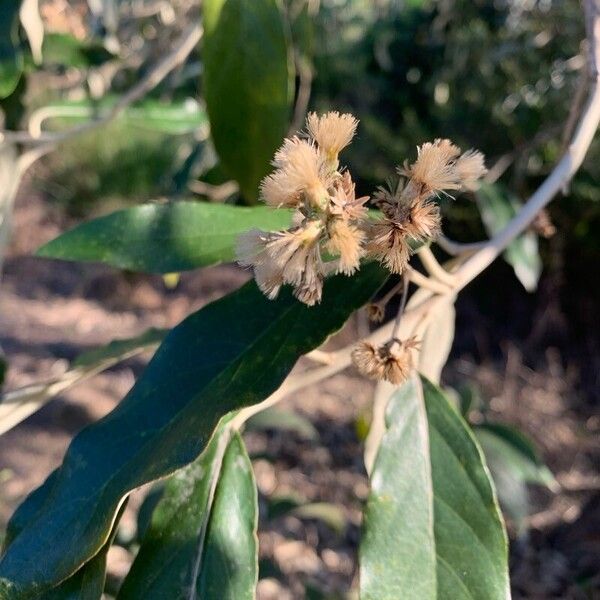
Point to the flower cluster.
(330, 221)
(409, 207)
(328, 216)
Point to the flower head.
(388, 243)
(346, 241)
(391, 362)
(470, 167)
(332, 132)
(434, 170)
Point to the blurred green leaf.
(66, 50)
(203, 531)
(331, 514)
(119, 349)
(175, 117)
(11, 56)
(248, 85)
(280, 419)
(432, 527)
(233, 353)
(510, 446)
(497, 207)
(164, 238)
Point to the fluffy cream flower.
(434, 168)
(470, 168)
(346, 241)
(332, 132)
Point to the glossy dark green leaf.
(88, 582)
(248, 85)
(233, 353)
(164, 238)
(432, 526)
(497, 207)
(203, 527)
(11, 56)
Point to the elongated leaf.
(286, 420)
(233, 353)
(88, 582)
(509, 446)
(164, 238)
(11, 56)
(497, 208)
(203, 526)
(174, 118)
(432, 525)
(247, 85)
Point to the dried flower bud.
(424, 220)
(388, 243)
(391, 362)
(345, 240)
(375, 312)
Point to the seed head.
(391, 362)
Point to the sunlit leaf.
(432, 527)
(247, 84)
(203, 527)
(164, 238)
(233, 353)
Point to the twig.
(457, 248)
(427, 282)
(215, 193)
(17, 405)
(433, 266)
(305, 77)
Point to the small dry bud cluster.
(328, 218)
(392, 362)
(409, 207)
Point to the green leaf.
(88, 582)
(508, 445)
(11, 56)
(280, 419)
(203, 527)
(66, 50)
(248, 85)
(432, 526)
(174, 118)
(497, 207)
(233, 353)
(164, 238)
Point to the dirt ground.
(52, 311)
